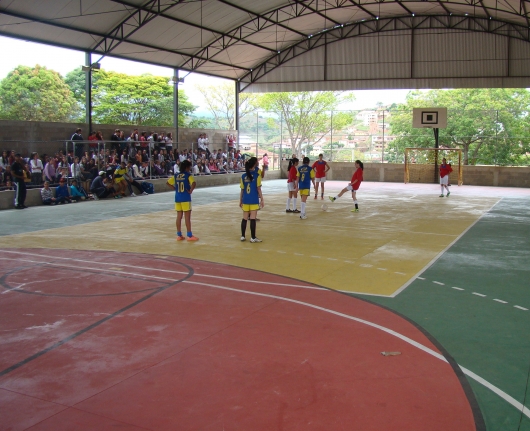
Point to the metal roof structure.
(296, 45)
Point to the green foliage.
(220, 100)
(307, 115)
(36, 94)
(489, 125)
(118, 98)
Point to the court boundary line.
(439, 255)
(519, 406)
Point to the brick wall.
(26, 137)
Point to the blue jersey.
(182, 183)
(306, 172)
(250, 188)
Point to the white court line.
(437, 282)
(408, 283)
(519, 406)
(520, 308)
(154, 269)
(479, 294)
(420, 278)
(400, 273)
(457, 288)
(501, 301)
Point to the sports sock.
(253, 228)
(294, 203)
(302, 208)
(288, 207)
(356, 206)
(442, 187)
(189, 234)
(179, 233)
(243, 226)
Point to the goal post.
(422, 164)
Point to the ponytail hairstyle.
(305, 160)
(250, 164)
(292, 162)
(184, 165)
(360, 164)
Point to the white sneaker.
(144, 194)
(255, 240)
(303, 217)
(133, 195)
(95, 197)
(243, 238)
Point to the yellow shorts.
(304, 192)
(183, 206)
(250, 207)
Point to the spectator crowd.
(113, 167)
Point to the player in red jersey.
(355, 182)
(292, 185)
(445, 170)
(320, 167)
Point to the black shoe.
(24, 206)
(288, 211)
(19, 207)
(296, 211)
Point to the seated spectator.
(219, 154)
(2, 171)
(136, 174)
(36, 169)
(77, 192)
(157, 169)
(49, 171)
(129, 179)
(62, 192)
(75, 169)
(101, 187)
(212, 166)
(144, 169)
(124, 156)
(63, 169)
(47, 195)
(4, 159)
(169, 142)
(119, 178)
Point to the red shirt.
(320, 169)
(293, 173)
(357, 175)
(445, 170)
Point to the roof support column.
(236, 107)
(176, 105)
(88, 91)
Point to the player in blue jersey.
(250, 198)
(306, 176)
(184, 184)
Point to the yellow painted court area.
(375, 251)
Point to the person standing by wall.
(19, 177)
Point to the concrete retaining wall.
(33, 196)
(497, 176)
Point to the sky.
(17, 52)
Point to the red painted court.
(104, 341)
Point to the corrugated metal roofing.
(267, 44)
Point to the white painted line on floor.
(263, 249)
(479, 294)
(420, 278)
(365, 265)
(437, 282)
(143, 267)
(298, 254)
(408, 283)
(330, 258)
(279, 251)
(348, 261)
(457, 288)
(501, 301)
(316, 257)
(519, 406)
(521, 308)
(399, 273)
(381, 269)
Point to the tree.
(35, 94)
(220, 100)
(489, 125)
(118, 98)
(307, 115)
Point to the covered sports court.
(108, 321)
(412, 314)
